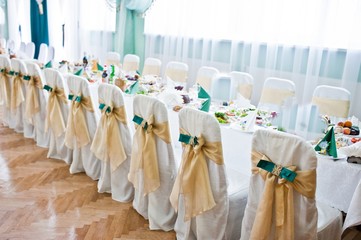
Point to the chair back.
(3, 43)
(43, 53)
(277, 92)
(18, 65)
(51, 54)
(5, 62)
(177, 71)
(54, 78)
(131, 63)
(30, 50)
(332, 101)
(284, 150)
(243, 84)
(11, 45)
(221, 88)
(152, 66)
(113, 58)
(205, 75)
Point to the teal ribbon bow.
(277, 170)
(71, 98)
(187, 139)
(207, 103)
(139, 120)
(26, 77)
(48, 88)
(102, 106)
(331, 147)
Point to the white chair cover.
(3, 43)
(116, 181)
(277, 92)
(212, 223)
(131, 63)
(177, 72)
(5, 94)
(285, 149)
(83, 159)
(205, 75)
(156, 205)
(152, 66)
(242, 84)
(332, 101)
(221, 88)
(43, 53)
(11, 46)
(30, 50)
(51, 54)
(57, 148)
(38, 120)
(19, 122)
(113, 58)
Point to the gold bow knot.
(54, 115)
(278, 195)
(198, 197)
(32, 97)
(107, 143)
(17, 96)
(5, 87)
(77, 130)
(144, 154)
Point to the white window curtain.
(311, 42)
(89, 26)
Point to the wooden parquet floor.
(40, 199)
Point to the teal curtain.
(129, 36)
(39, 25)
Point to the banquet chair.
(276, 92)
(3, 43)
(153, 167)
(152, 67)
(30, 50)
(221, 88)
(43, 53)
(210, 202)
(11, 46)
(243, 84)
(112, 146)
(51, 54)
(332, 101)
(57, 113)
(177, 72)
(81, 127)
(284, 178)
(205, 75)
(22, 47)
(18, 96)
(5, 88)
(36, 103)
(113, 58)
(131, 63)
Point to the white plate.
(339, 156)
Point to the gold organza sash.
(5, 87)
(332, 107)
(245, 90)
(107, 143)
(151, 70)
(144, 153)
(278, 196)
(130, 66)
(275, 96)
(17, 95)
(177, 75)
(77, 129)
(193, 178)
(54, 115)
(32, 104)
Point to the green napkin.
(207, 103)
(48, 65)
(133, 89)
(79, 72)
(100, 68)
(330, 142)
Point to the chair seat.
(329, 222)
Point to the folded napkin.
(79, 72)
(48, 65)
(207, 103)
(133, 89)
(353, 150)
(100, 68)
(329, 143)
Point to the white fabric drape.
(309, 42)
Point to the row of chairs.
(210, 200)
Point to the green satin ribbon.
(27, 77)
(12, 73)
(277, 170)
(48, 88)
(71, 98)
(139, 120)
(187, 139)
(102, 105)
